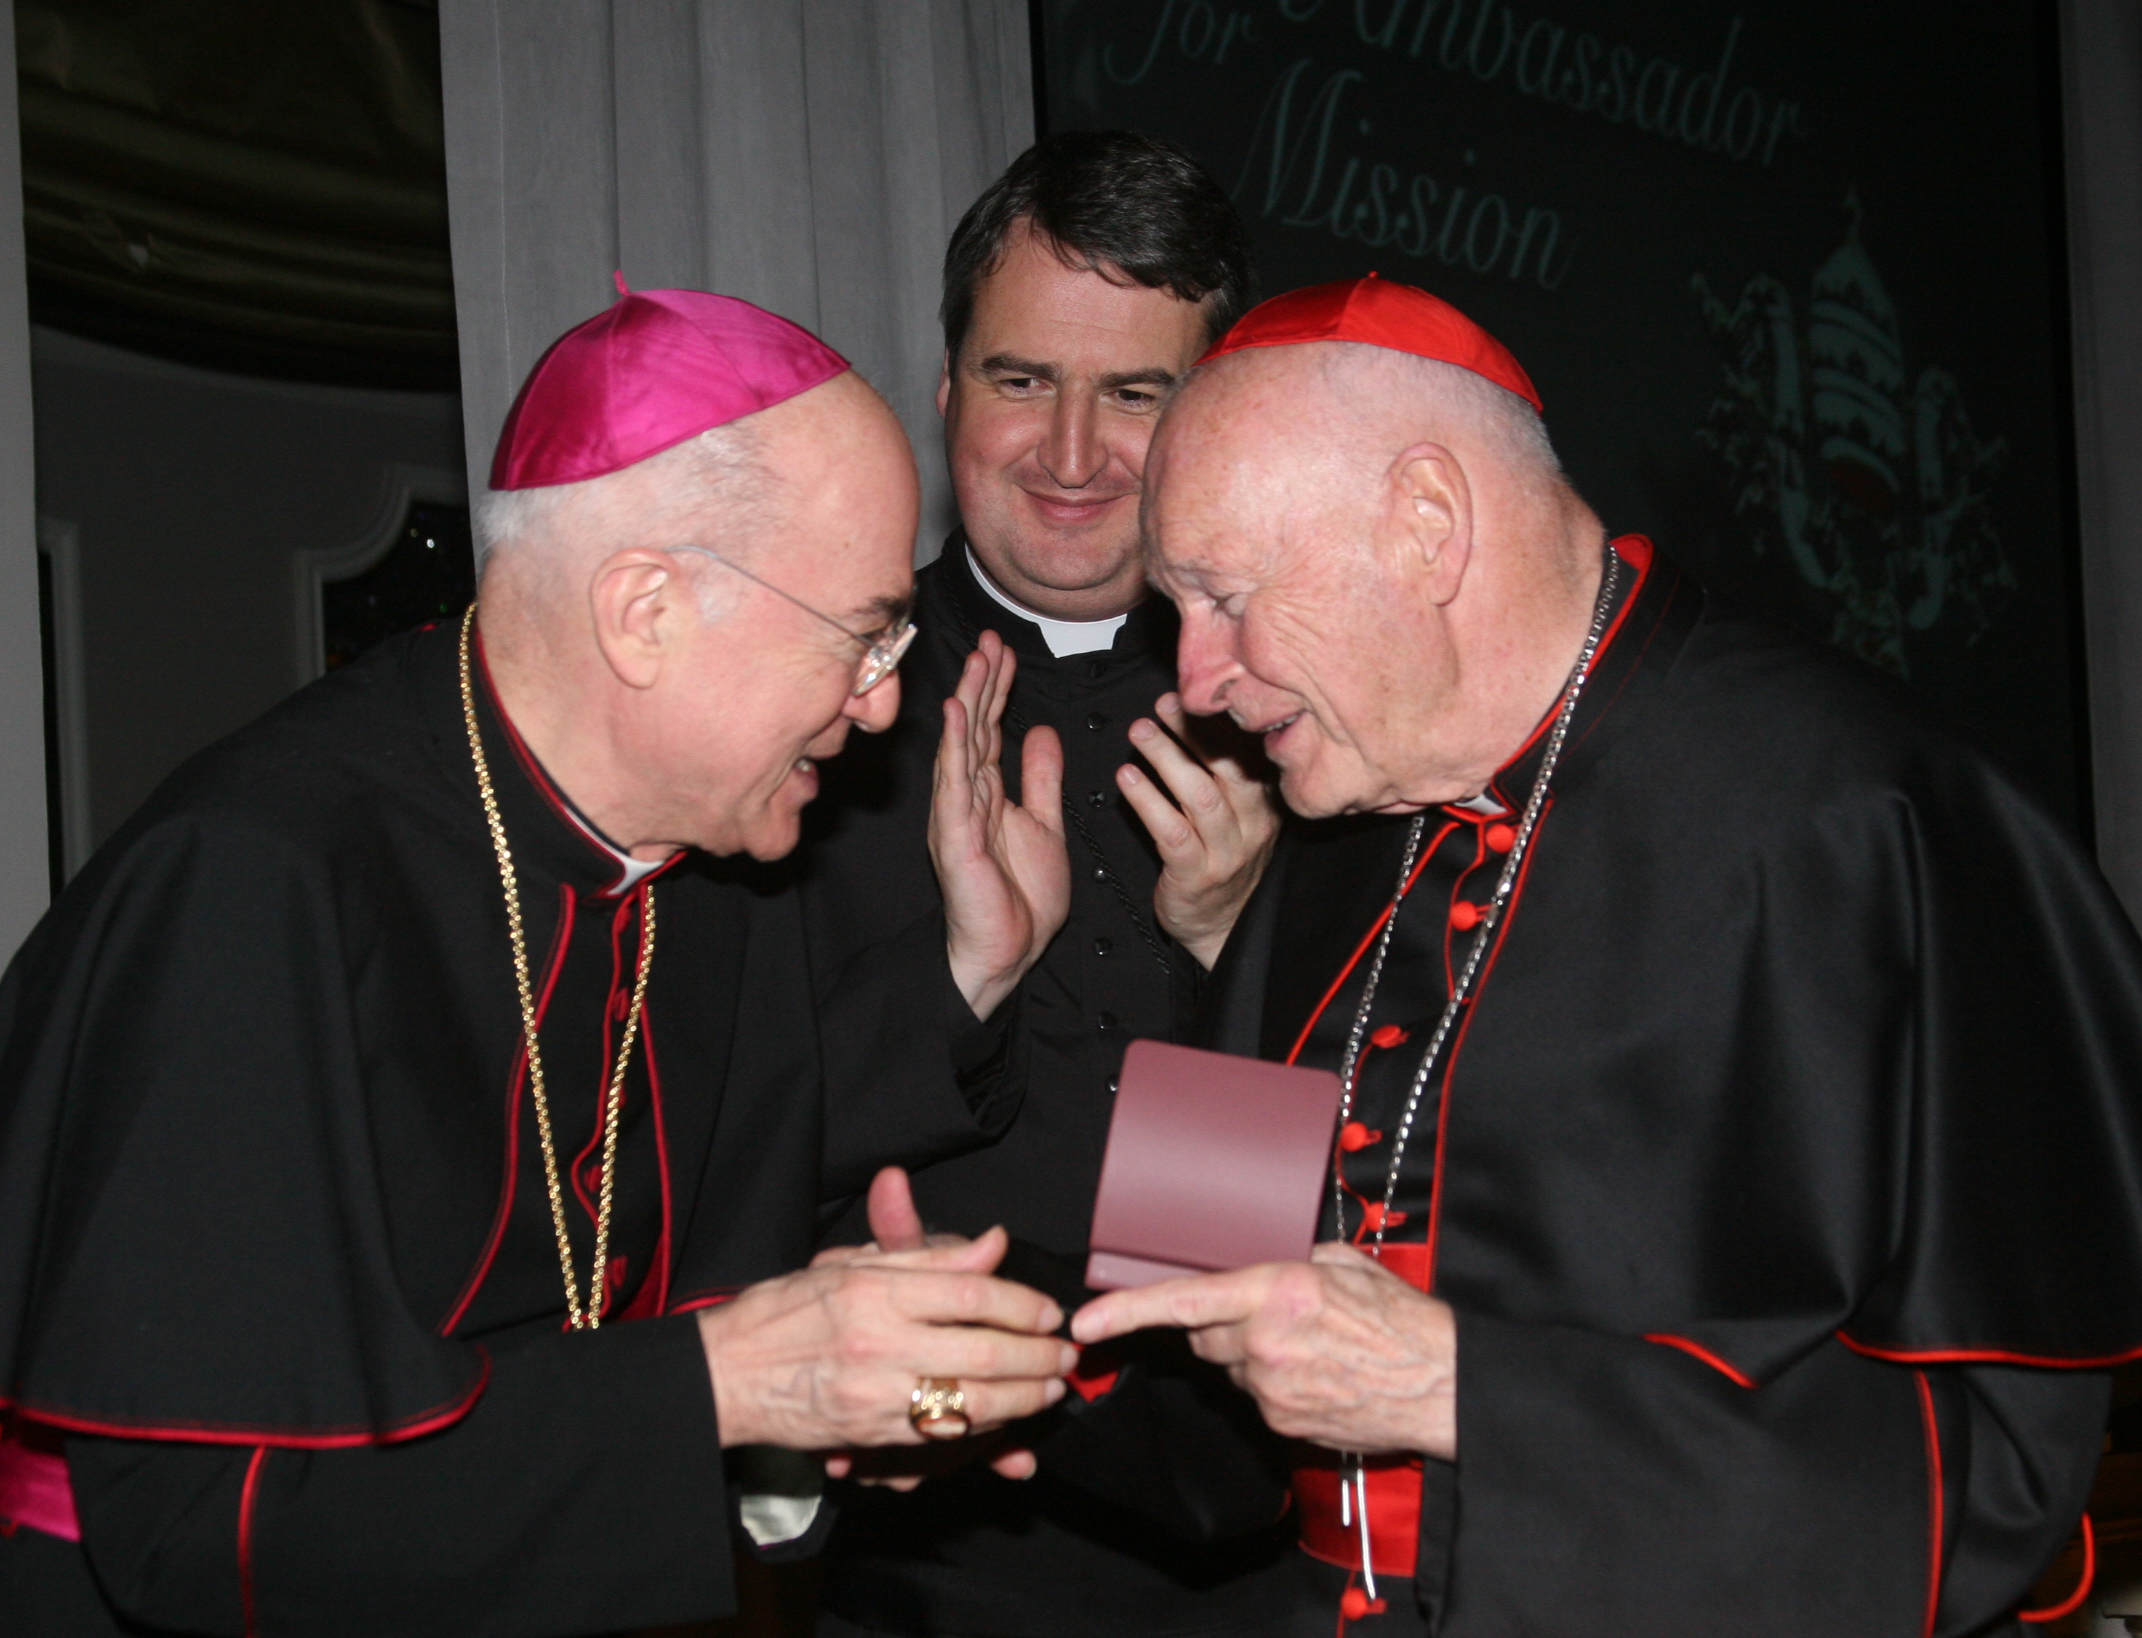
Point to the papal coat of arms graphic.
(1872, 483)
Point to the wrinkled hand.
(895, 1225)
(1001, 864)
(1334, 1350)
(1214, 838)
(828, 1357)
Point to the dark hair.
(1108, 199)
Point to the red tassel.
(1355, 1603)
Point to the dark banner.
(1786, 274)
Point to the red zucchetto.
(656, 368)
(1382, 313)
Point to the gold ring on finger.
(938, 1408)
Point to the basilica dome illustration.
(1870, 479)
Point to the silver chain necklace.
(1490, 918)
(1353, 1471)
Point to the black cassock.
(1073, 1552)
(277, 1266)
(1784, 1172)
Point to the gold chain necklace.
(590, 1317)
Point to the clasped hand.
(826, 1358)
(1334, 1350)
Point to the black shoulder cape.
(259, 1083)
(1806, 1023)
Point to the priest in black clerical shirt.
(1737, 1201)
(1077, 289)
(408, 1119)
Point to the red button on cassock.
(1389, 1036)
(1501, 838)
(1465, 915)
(1354, 1136)
(1373, 1218)
(1354, 1603)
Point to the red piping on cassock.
(1457, 1045)
(209, 1433)
(1990, 1356)
(1367, 940)
(246, 1499)
(2070, 1604)
(1934, 1501)
(1696, 1350)
(516, 1082)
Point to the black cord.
(1115, 882)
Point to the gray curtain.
(812, 155)
(2103, 68)
(26, 878)
(809, 155)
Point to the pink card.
(1214, 1162)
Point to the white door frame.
(314, 567)
(60, 543)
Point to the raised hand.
(1001, 864)
(1215, 838)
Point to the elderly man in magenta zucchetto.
(412, 1121)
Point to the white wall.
(190, 496)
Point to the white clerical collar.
(632, 871)
(1063, 636)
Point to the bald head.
(1379, 563)
(1316, 428)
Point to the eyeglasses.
(881, 654)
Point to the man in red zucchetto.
(1737, 1202)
